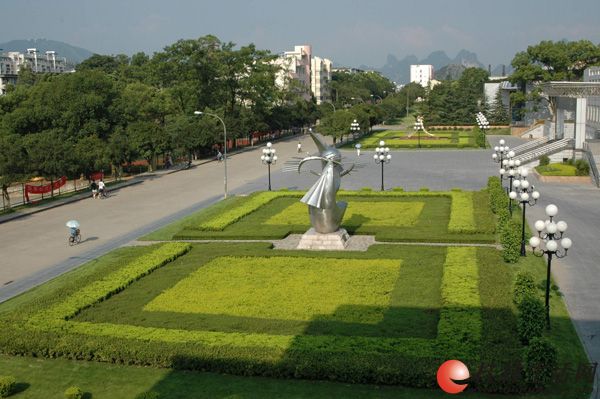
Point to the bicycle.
(103, 194)
(74, 238)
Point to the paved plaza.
(35, 250)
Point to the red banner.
(46, 188)
(97, 176)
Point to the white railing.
(547, 149)
(589, 156)
(530, 145)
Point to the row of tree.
(117, 109)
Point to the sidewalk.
(132, 181)
(83, 195)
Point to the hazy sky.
(348, 32)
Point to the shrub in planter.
(539, 361)
(544, 160)
(524, 286)
(73, 392)
(531, 320)
(7, 385)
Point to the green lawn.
(401, 139)
(390, 315)
(413, 312)
(557, 169)
(390, 216)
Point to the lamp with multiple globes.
(382, 155)
(552, 242)
(268, 158)
(525, 194)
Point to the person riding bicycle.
(73, 231)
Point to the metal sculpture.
(325, 212)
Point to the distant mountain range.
(74, 55)
(444, 66)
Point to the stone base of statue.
(311, 240)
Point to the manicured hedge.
(103, 289)
(303, 288)
(462, 218)
(8, 384)
(460, 326)
(355, 359)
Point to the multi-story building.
(12, 62)
(421, 74)
(312, 73)
(320, 76)
(592, 74)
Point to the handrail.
(590, 158)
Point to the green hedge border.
(462, 216)
(409, 361)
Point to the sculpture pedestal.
(311, 240)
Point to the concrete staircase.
(547, 149)
(530, 145)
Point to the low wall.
(563, 179)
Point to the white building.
(295, 66)
(320, 76)
(312, 73)
(12, 62)
(421, 74)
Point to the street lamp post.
(526, 195)
(418, 127)
(224, 145)
(549, 233)
(382, 155)
(500, 151)
(354, 128)
(483, 124)
(268, 157)
(512, 172)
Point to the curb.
(75, 198)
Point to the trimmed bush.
(531, 320)
(510, 239)
(73, 392)
(8, 384)
(583, 167)
(462, 217)
(148, 395)
(524, 286)
(398, 189)
(103, 289)
(544, 160)
(539, 362)
(424, 189)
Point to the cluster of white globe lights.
(382, 153)
(550, 239)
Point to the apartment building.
(11, 63)
(320, 71)
(312, 73)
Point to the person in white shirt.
(101, 187)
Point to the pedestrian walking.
(299, 147)
(94, 188)
(102, 188)
(219, 156)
